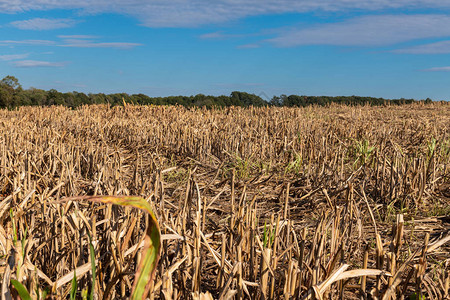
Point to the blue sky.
(391, 49)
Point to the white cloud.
(79, 36)
(378, 30)
(79, 43)
(37, 63)
(8, 57)
(216, 35)
(27, 42)
(88, 41)
(73, 41)
(44, 24)
(442, 47)
(438, 69)
(219, 35)
(182, 13)
(249, 46)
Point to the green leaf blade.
(23, 293)
(152, 241)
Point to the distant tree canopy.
(13, 95)
(295, 100)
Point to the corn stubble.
(257, 203)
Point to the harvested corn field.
(257, 203)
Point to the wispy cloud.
(77, 41)
(249, 46)
(87, 44)
(188, 13)
(27, 42)
(88, 41)
(438, 69)
(79, 36)
(44, 24)
(37, 63)
(378, 30)
(442, 47)
(218, 35)
(9, 57)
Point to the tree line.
(13, 95)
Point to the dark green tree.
(9, 87)
(12, 82)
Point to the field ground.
(265, 203)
